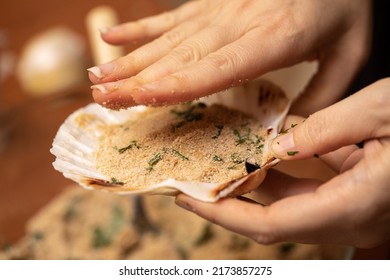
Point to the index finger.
(226, 67)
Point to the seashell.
(78, 138)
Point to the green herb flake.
(116, 181)
(242, 138)
(292, 153)
(258, 144)
(132, 144)
(285, 131)
(217, 158)
(189, 115)
(236, 159)
(154, 160)
(288, 129)
(180, 155)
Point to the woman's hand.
(352, 208)
(209, 45)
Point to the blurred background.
(44, 54)
(34, 101)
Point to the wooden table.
(27, 178)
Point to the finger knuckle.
(227, 63)
(172, 37)
(168, 18)
(268, 234)
(382, 89)
(127, 62)
(141, 25)
(315, 129)
(188, 53)
(378, 103)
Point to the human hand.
(353, 208)
(206, 46)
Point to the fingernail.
(284, 145)
(103, 30)
(100, 88)
(102, 70)
(96, 72)
(183, 204)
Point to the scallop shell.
(75, 143)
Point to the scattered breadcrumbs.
(187, 142)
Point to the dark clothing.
(378, 65)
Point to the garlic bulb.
(52, 61)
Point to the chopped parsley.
(189, 114)
(287, 130)
(242, 138)
(236, 159)
(154, 160)
(254, 142)
(180, 155)
(116, 181)
(160, 155)
(217, 158)
(132, 144)
(292, 153)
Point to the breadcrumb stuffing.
(187, 142)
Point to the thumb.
(361, 116)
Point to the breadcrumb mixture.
(187, 142)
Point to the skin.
(353, 208)
(206, 46)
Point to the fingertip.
(112, 35)
(113, 101)
(103, 31)
(94, 74)
(283, 146)
(99, 97)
